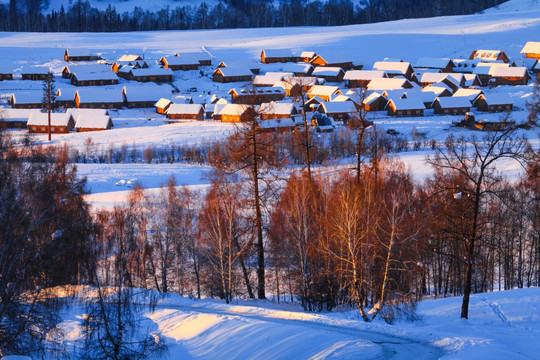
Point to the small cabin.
(375, 102)
(179, 63)
(298, 69)
(61, 123)
(256, 96)
(275, 110)
(329, 73)
(87, 122)
(35, 72)
(270, 56)
(184, 112)
(489, 56)
(338, 110)
(79, 54)
(99, 98)
(6, 74)
(381, 84)
(283, 125)
(493, 103)
(162, 105)
(324, 92)
(154, 74)
(65, 97)
(531, 50)
(203, 58)
(335, 61)
(409, 106)
(395, 68)
(270, 78)
(235, 113)
(227, 75)
(452, 105)
(26, 100)
(442, 64)
(510, 76)
(14, 118)
(361, 78)
(144, 96)
(94, 79)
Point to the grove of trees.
(30, 15)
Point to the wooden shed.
(410, 106)
(65, 97)
(26, 100)
(452, 105)
(154, 74)
(87, 122)
(236, 113)
(489, 56)
(324, 92)
(162, 105)
(275, 110)
(270, 56)
(99, 98)
(531, 50)
(510, 76)
(493, 103)
(227, 74)
(79, 54)
(256, 96)
(361, 78)
(61, 123)
(184, 112)
(35, 72)
(329, 73)
(179, 63)
(6, 73)
(395, 68)
(94, 79)
(375, 102)
(145, 96)
(14, 118)
(335, 61)
(338, 110)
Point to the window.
(446, 111)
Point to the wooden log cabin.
(269, 56)
(361, 78)
(489, 56)
(235, 113)
(179, 63)
(410, 106)
(510, 76)
(184, 112)
(79, 54)
(99, 98)
(61, 123)
(531, 50)
(228, 74)
(452, 105)
(86, 123)
(493, 103)
(35, 72)
(256, 96)
(94, 79)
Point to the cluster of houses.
(321, 87)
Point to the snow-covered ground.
(507, 27)
(502, 325)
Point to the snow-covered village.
(286, 185)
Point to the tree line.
(29, 15)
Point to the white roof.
(300, 68)
(88, 68)
(409, 103)
(497, 99)
(323, 90)
(372, 97)
(180, 60)
(450, 102)
(38, 118)
(338, 107)
(432, 63)
(364, 74)
(397, 94)
(232, 109)
(32, 97)
(78, 52)
(308, 54)
(129, 58)
(92, 121)
(436, 90)
(8, 114)
(437, 77)
(98, 94)
(499, 71)
(184, 109)
(86, 112)
(277, 53)
(35, 70)
(150, 71)
(386, 84)
(470, 94)
(326, 71)
(234, 71)
(88, 76)
(276, 108)
(161, 103)
(487, 55)
(201, 55)
(392, 66)
(270, 78)
(258, 91)
(276, 123)
(531, 47)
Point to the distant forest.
(27, 15)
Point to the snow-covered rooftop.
(531, 47)
(184, 109)
(324, 90)
(386, 83)
(451, 102)
(87, 121)
(392, 66)
(38, 118)
(363, 74)
(334, 107)
(326, 71)
(277, 108)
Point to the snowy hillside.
(507, 27)
(502, 325)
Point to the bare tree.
(475, 161)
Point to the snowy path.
(209, 333)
